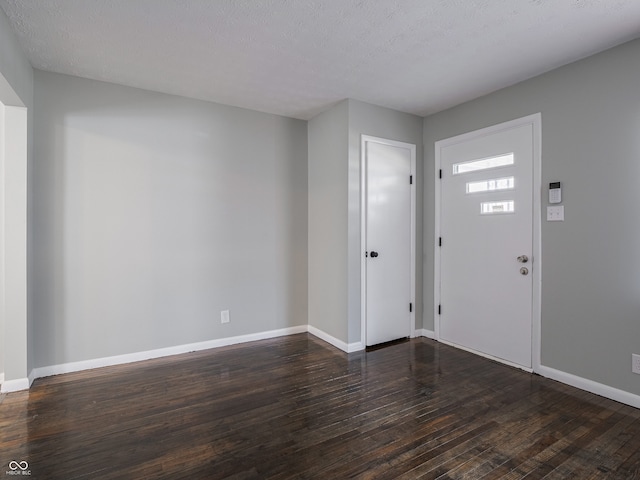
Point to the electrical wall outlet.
(224, 316)
(635, 363)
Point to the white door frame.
(363, 231)
(535, 121)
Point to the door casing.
(363, 231)
(535, 121)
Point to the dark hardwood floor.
(295, 407)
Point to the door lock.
(523, 259)
(524, 271)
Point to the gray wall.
(328, 159)
(382, 122)
(590, 142)
(153, 213)
(16, 89)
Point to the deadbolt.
(523, 259)
(524, 271)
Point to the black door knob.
(374, 254)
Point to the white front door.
(388, 202)
(486, 235)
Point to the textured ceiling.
(298, 57)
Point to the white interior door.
(388, 204)
(486, 252)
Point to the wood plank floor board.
(523, 455)
(297, 408)
(514, 433)
(456, 463)
(509, 433)
(463, 421)
(600, 454)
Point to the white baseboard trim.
(15, 385)
(345, 347)
(423, 332)
(24, 383)
(161, 352)
(590, 386)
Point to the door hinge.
(439, 309)
(410, 179)
(439, 241)
(410, 307)
(440, 174)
